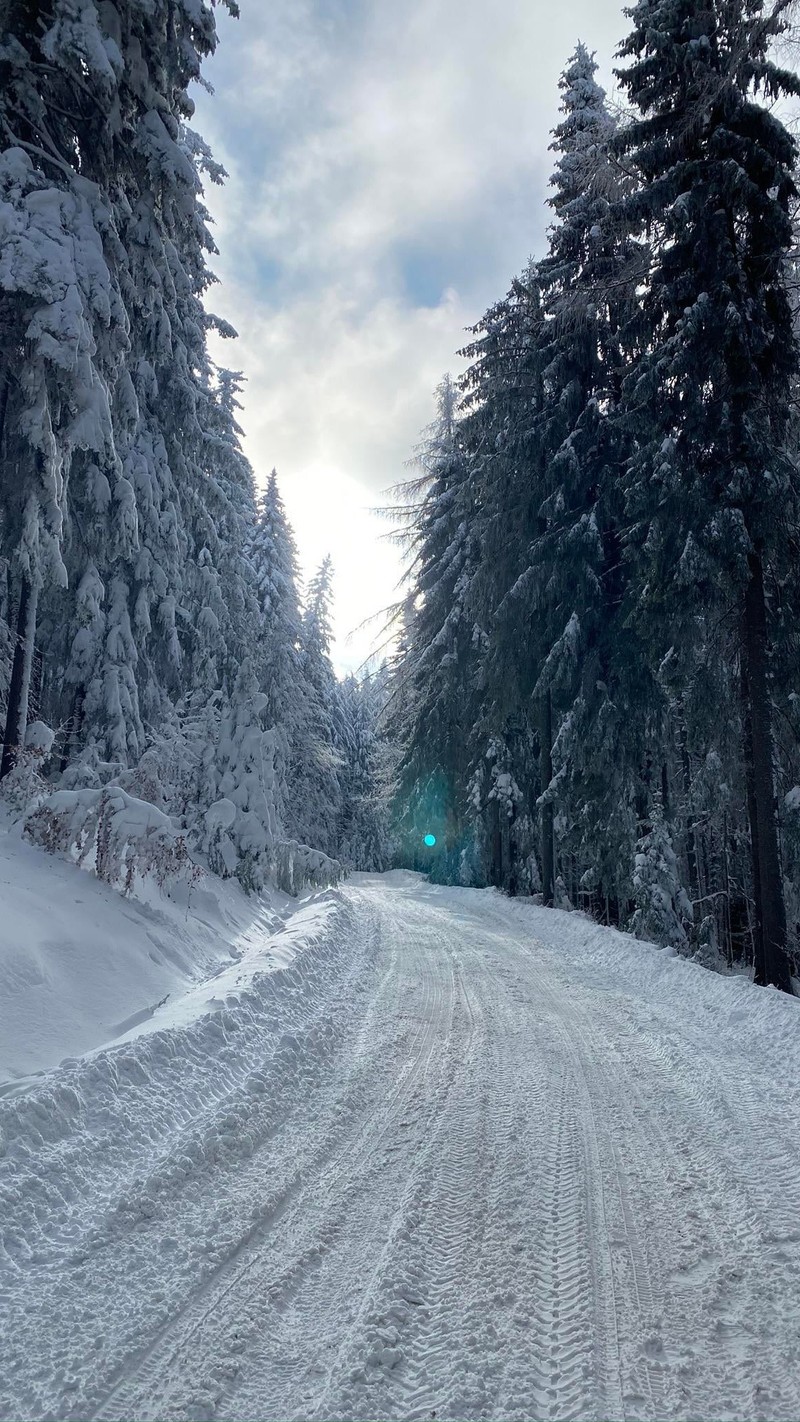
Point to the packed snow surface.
(459, 1157)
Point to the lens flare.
(430, 840)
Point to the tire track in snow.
(742, 1184)
(446, 1358)
(384, 1198)
(490, 1185)
(340, 1294)
(141, 1233)
(411, 1324)
(693, 1227)
(633, 1291)
(254, 1290)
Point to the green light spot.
(430, 840)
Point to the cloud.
(388, 174)
(337, 394)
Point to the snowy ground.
(460, 1157)
(80, 965)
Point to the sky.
(388, 175)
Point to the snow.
(78, 962)
(424, 1151)
(220, 816)
(39, 737)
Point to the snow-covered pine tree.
(439, 668)
(363, 832)
(244, 762)
(502, 393)
(273, 559)
(624, 432)
(546, 370)
(112, 405)
(63, 333)
(128, 514)
(710, 492)
(587, 282)
(316, 802)
(220, 587)
(662, 906)
(179, 422)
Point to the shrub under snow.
(297, 865)
(113, 832)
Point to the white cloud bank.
(388, 173)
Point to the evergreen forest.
(592, 688)
(595, 694)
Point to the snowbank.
(684, 998)
(96, 1147)
(80, 965)
(121, 837)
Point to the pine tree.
(170, 637)
(503, 394)
(124, 443)
(59, 354)
(662, 907)
(273, 559)
(587, 281)
(439, 662)
(316, 801)
(245, 771)
(363, 831)
(710, 488)
(221, 526)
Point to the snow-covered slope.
(80, 965)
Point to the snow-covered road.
(466, 1158)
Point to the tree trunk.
(72, 739)
(690, 844)
(752, 814)
(511, 879)
(496, 874)
(546, 775)
(771, 962)
(4, 389)
(17, 713)
(726, 888)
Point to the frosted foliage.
(298, 866)
(24, 787)
(114, 833)
(218, 842)
(363, 832)
(561, 899)
(112, 697)
(245, 769)
(39, 737)
(132, 438)
(582, 170)
(52, 259)
(77, 36)
(151, 606)
(273, 564)
(662, 906)
(595, 687)
(316, 786)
